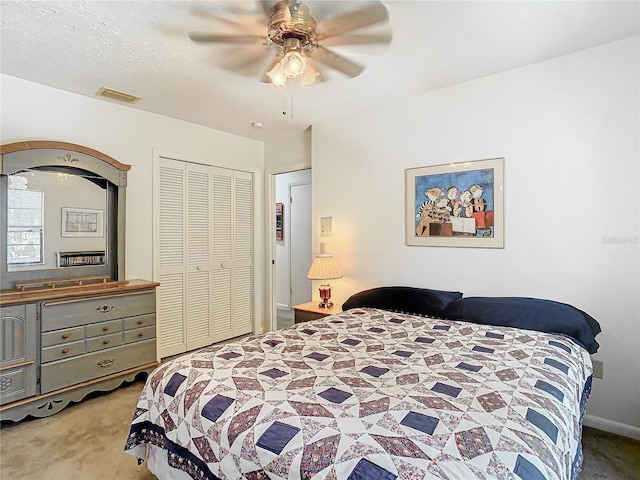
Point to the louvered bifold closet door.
(171, 253)
(205, 252)
(198, 240)
(243, 254)
(222, 235)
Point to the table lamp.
(324, 268)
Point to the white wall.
(282, 155)
(569, 132)
(31, 111)
(288, 153)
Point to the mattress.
(369, 394)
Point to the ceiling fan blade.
(335, 61)
(281, 8)
(250, 63)
(381, 38)
(215, 38)
(363, 17)
(267, 7)
(251, 23)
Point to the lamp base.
(325, 295)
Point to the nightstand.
(311, 311)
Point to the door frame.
(271, 314)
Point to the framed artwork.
(279, 222)
(82, 222)
(456, 205)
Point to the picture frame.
(82, 222)
(455, 205)
(279, 222)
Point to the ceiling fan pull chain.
(291, 88)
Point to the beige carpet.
(85, 442)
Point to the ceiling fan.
(295, 43)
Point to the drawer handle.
(105, 342)
(65, 350)
(65, 336)
(107, 362)
(140, 334)
(104, 308)
(140, 322)
(105, 329)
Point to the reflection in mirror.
(53, 212)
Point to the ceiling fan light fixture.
(277, 75)
(309, 76)
(293, 64)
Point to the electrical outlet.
(598, 368)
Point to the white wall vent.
(119, 96)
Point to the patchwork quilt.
(369, 394)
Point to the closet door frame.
(257, 284)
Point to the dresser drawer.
(104, 328)
(64, 350)
(139, 322)
(63, 373)
(62, 336)
(139, 334)
(17, 383)
(72, 313)
(105, 341)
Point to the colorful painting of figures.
(456, 201)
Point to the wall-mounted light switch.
(326, 226)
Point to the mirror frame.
(38, 154)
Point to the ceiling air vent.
(116, 95)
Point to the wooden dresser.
(61, 342)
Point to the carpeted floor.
(85, 442)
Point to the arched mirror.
(63, 211)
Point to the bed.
(377, 394)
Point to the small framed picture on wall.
(279, 222)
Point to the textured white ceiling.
(142, 48)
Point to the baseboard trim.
(612, 427)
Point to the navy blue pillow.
(421, 301)
(529, 314)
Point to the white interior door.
(300, 243)
(198, 260)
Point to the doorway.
(293, 251)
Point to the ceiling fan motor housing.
(296, 23)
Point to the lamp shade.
(324, 268)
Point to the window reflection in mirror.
(25, 210)
(41, 205)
